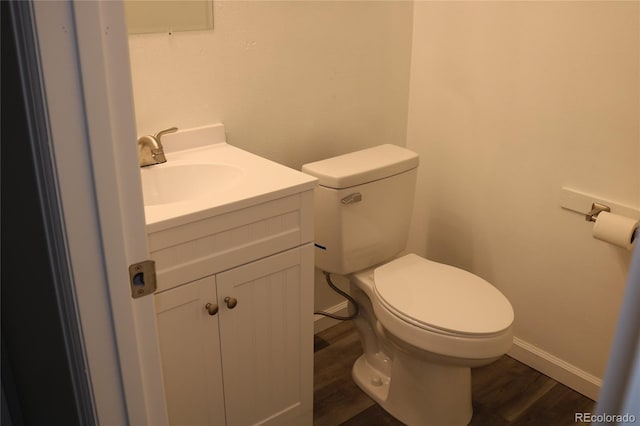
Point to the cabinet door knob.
(231, 302)
(212, 308)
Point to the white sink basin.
(174, 183)
(205, 177)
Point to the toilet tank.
(362, 206)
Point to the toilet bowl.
(423, 324)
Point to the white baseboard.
(556, 368)
(320, 322)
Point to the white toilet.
(422, 324)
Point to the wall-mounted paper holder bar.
(582, 203)
(596, 209)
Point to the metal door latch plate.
(142, 277)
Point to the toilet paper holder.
(596, 209)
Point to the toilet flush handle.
(352, 198)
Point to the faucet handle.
(150, 150)
(164, 132)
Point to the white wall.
(294, 81)
(509, 101)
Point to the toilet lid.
(432, 295)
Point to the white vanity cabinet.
(251, 363)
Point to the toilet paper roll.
(616, 229)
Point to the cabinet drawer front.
(215, 244)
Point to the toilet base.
(370, 380)
(418, 393)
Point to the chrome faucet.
(150, 150)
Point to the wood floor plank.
(505, 392)
(557, 407)
(483, 416)
(373, 415)
(319, 343)
(336, 397)
(338, 331)
(507, 387)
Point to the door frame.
(83, 73)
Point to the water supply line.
(343, 294)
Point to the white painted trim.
(85, 72)
(320, 322)
(70, 155)
(108, 98)
(556, 368)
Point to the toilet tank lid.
(363, 166)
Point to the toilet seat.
(440, 298)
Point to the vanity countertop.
(255, 180)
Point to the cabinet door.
(190, 352)
(267, 340)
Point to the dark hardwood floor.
(506, 392)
